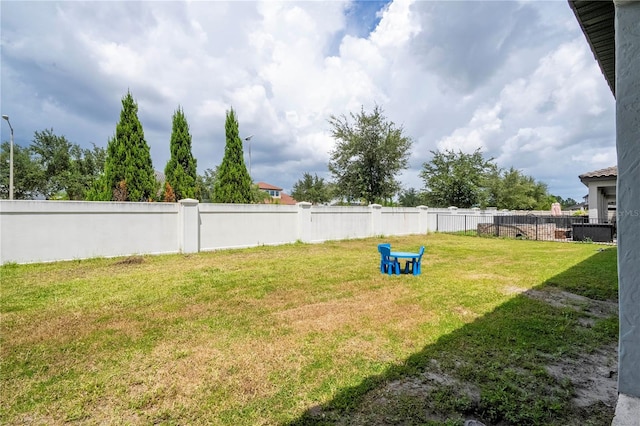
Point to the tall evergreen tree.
(233, 183)
(180, 171)
(128, 164)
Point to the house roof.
(284, 198)
(596, 18)
(264, 185)
(287, 199)
(609, 172)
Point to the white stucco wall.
(400, 220)
(354, 222)
(627, 32)
(41, 231)
(246, 225)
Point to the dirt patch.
(594, 376)
(131, 260)
(562, 299)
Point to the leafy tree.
(180, 171)
(26, 173)
(233, 183)
(86, 166)
(205, 184)
(370, 151)
(61, 169)
(512, 190)
(128, 160)
(456, 179)
(311, 189)
(258, 196)
(569, 202)
(411, 198)
(53, 155)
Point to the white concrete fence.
(45, 231)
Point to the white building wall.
(627, 35)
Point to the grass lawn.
(308, 334)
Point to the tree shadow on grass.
(547, 356)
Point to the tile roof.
(283, 199)
(264, 185)
(608, 172)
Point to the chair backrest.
(384, 245)
(385, 250)
(421, 252)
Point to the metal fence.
(531, 227)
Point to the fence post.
(189, 226)
(304, 221)
(423, 221)
(376, 219)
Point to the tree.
(512, 190)
(233, 183)
(456, 179)
(258, 196)
(369, 153)
(569, 202)
(205, 184)
(411, 198)
(53, 155)
(311, 189)
(180, 171)
(61, 169)
(87, 165)
(128, 160)
(26, 173)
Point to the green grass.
(302, 334)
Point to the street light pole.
(6, 117)
(248, 139)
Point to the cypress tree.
(128, 168)
(180, 171)
(233, 183)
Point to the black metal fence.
(532, 227)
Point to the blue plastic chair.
(416, 267)
(387, 263)
(382, 269)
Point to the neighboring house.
(277, 196)
(602, 193)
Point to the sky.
(515, 79)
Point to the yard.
(502, 331)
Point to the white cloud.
(516, 79)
